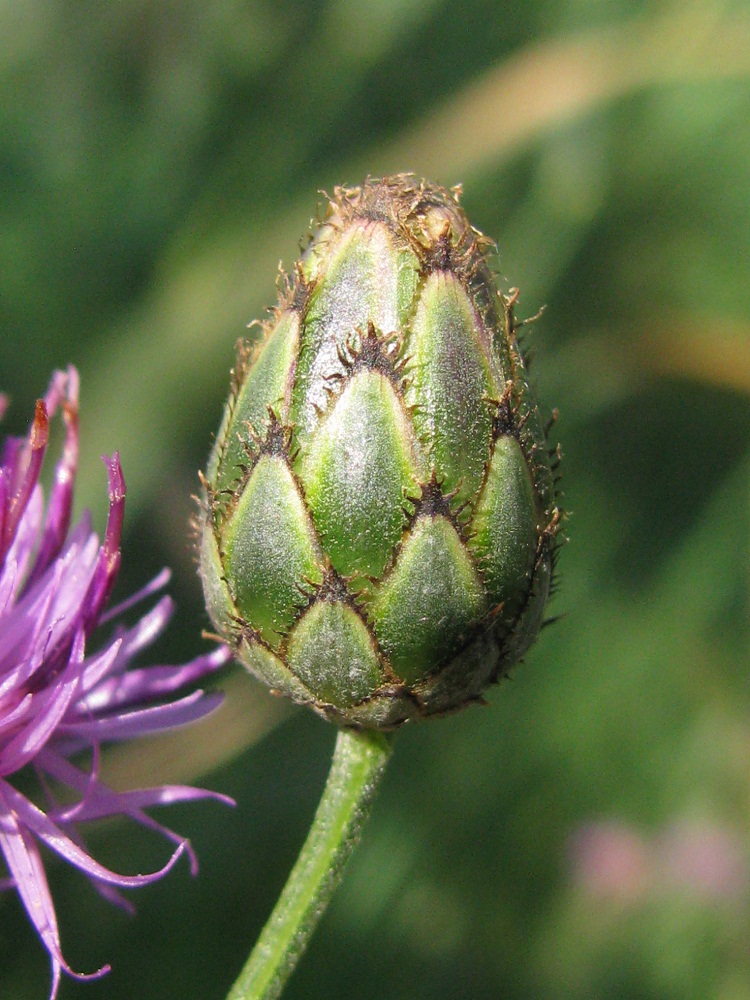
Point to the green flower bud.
(380, 511)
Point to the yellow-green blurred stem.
(359, 760)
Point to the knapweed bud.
(380, 514)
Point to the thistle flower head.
(59, 699)
(381, 514)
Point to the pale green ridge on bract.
(266, 666)
(267, 383)
(356, 472)
(430, 601)
(450, 385)
(503, 529)
(269, 549)
(361, 284)
(406, 287)
(331, 651)
(219, 604)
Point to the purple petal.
(29, 878)
(9, 577)
(61, 498)
(25, 636)
(60, 385)
(25, 641)
(95, 669)
(37, 822)
(25, 479)
(26, 534)
(12, 718)
(87, 782)
(110, 802)
(106, 803)
(158, 583)
(149, 683)
(100, 801)
(50, 706)
(108, 563)
(142, 722)
(114, 897)
(142, 634)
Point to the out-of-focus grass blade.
(716, 353)
(555, 81)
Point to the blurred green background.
(585, 836)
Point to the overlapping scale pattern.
(380, 514)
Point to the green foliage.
(157, 161)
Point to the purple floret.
(57, 697)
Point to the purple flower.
(59, 701)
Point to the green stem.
(358, 763)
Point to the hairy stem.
(359, 760)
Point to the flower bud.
(380, 513)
